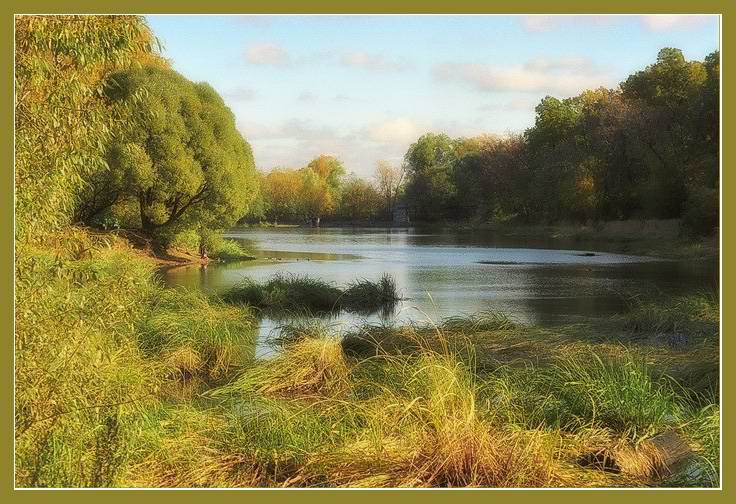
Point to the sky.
(363, 88)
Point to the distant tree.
(389, 181)
(317, 196)
(282, 189)
(430, 161)
(359, 200)
(329, 168)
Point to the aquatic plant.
(296, 293)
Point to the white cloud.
(372, 62)
(398, 130)
(560, 76)
(267, 54)
(664, 22)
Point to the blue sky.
(363, 88)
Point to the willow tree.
(62, 121)
(182, 161)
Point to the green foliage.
(62, 122)
(701, 212)
(230, 250)
(359, 201)
(430, 163)
(81, 379)
(648, 148)
(181, 160)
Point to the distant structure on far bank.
(400, 216)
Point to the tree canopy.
(181, 160)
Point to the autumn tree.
(282, 189)
(359, 200)
(317, 196)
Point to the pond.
(441, 273)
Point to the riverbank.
(183, 254)
(657, 238)
(161, 387)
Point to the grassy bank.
(120, 382)
(435, 406)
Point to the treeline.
(647, 149)
(322, 189)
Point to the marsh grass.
(367, 296)
(696, 314)
(310, 366)
(286, 293)
(197, 336)
(164, 391)
(296, 293)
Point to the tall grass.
(197, 336)
(367, 296)
(295, 293)
(81, 379)
(694, 314)
(306, 367)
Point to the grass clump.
(488, 320)
(367, 296)
(697, 314)
(616, 393)
(295, 293)
(286, 293)
(197, 336)
(307, 367)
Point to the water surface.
(449, 273)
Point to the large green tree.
(182, 160)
